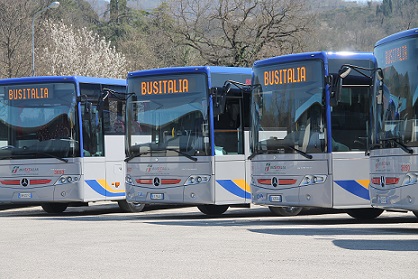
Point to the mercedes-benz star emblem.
(274, 182)
(156, 181)
(24, 182)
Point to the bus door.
(113, 111)
(230, 167)
(349, 121)
(94, 170)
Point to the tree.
(237, 32)
(15, 29)
(15, 34)
(150, 43)
(78, 52)
(118, 10)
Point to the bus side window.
(113, 117)
(92, 132)
(227, 128)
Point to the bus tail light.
(166, 181)
(376, 180)
(276, 181)
(391, 180)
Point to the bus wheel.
(365, 213)
(54, 207)
(130, 207)
(415, 213)
(286, 211)
(211, 209)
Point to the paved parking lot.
(102, 242)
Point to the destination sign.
(30, 92)
(165, 86)
(285, 76)
(396, 54)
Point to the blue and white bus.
(187, 137)
(61, 141)
(393, 157)
(309, 133)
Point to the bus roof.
(315, 55)
(191, 70)
(76, 79)
(393, 37)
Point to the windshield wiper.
(6, 147)
(46, 154)
(182, 153)
(159, 150)
(399, 144)
(136, 155)
(304, 154)
(15, 156)
(53, 156)
(257, 152)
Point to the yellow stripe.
(364, 182)
(242, 184)
(104, 184)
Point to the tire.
(286, 210)
(211, 209)
(130, 207)
(54, 207)
(365, 213)
(415, 213)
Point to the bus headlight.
(197, 179)
(409, 179)
(128, 179)
(313, 179)
(66, 179)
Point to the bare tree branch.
(237, 32)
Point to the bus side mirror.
(134, 100)
(218, 100)
(336, 84)
(380, 86)
(333, 83)
(379, 74)
(87, 109)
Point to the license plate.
(383, 199)
(24, 195)
(276, 198)
(157, 196)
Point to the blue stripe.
(234, 189)
(355, 188)
(102, 191)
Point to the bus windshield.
(289, 114)
(168, 116)
(396, 114)
(37, 121)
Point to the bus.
(309, 133)
(62, 141)
(393, 156)
(187, 137)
